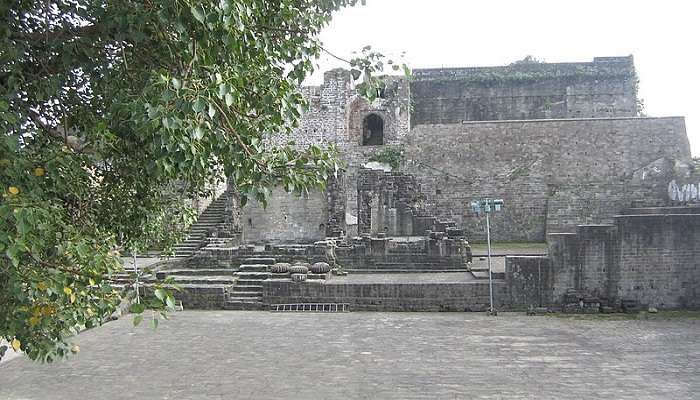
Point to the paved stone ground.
(258, 355)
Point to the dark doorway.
(373, 130)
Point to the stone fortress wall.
(606, 87)
(560, 143)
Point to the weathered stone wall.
(529, 281)
(605, 87)
(286, 219)
(660, 259)
(473, 296)
(335, 117)
(651, 256)
(201, 297)
(551, 173)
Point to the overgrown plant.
(392, 156)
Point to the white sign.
(689, 192)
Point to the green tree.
(112, 113)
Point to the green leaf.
(160, 294)
(198, 13)
(154, 321)
(229, 99)
(199, 105)
(198, 133)
(137, 308)
(170, 302)
(137, 319)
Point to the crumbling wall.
(606, 87)
(335, 116)
(386, 202)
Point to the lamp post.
(487, 206)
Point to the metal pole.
(136, 284)
(488, 245)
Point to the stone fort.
(614, 194)
(562, 143)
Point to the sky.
(662, 36)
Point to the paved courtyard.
(260, 355)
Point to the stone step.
(196, 272)
(252, 275)
(186, 247)
(241, 294)
(244, 305)
(249, 282)
(248, 287)
(259, 260)
(204, 280)
(253, 268)
(214, 207)
(232, 299)
(203, 228)
(191, 240)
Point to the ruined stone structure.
(561, 143)
(648, 256)
(612, 192)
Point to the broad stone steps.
(244, 305)
(247, 293)
(197, 271)
(253, 268)
(207, 221)
(252, 275)
(251, 288)
(249, 282)
(237, 294)
(204, 280)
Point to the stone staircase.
(247, 293)
(207, 222)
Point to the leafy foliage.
(365, 68)
(528, 59)
(113, 114)
(392, 156)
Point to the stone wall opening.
(372, 130)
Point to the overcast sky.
(663, 36)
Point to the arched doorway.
(372, 130)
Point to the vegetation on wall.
(392, 156)
(528, 59)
